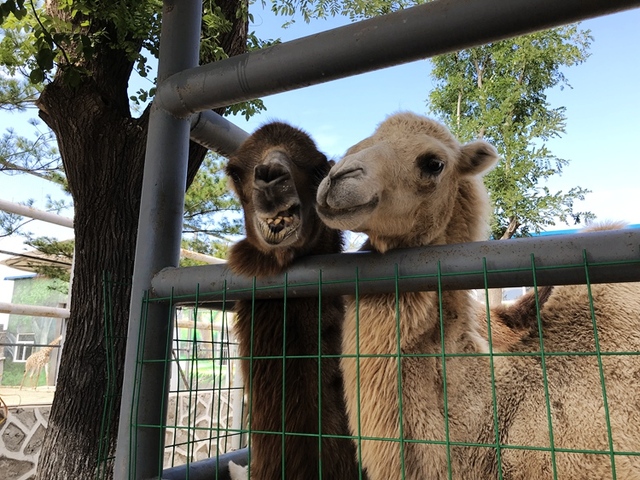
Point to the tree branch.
(48, 35)
(511, 228)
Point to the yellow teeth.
(279, 220)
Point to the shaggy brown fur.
(511, 323)
(411, 183)
(276, 173)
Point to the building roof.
(28, 261)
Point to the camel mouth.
(345, 215)
(276, 229)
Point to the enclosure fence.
(180, 110)
(189, 378)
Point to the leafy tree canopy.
(38, 42)
(498, 92)
(353, 9)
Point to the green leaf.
(36, 75)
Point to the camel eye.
(430, 164)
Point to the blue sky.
(603, 114)
(602, 108)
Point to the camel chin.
(349, 196)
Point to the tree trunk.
(102, 148)
(103, 153)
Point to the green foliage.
(16, 94)
(354, 9)
(12, 7)
(37, 155)
(211, 212)
(13, 372)
(203, 244)
(498, 92)
(70, 34)
(40, 291)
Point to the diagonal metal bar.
(419, 32)
(216, 133)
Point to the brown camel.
(275, 174)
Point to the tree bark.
(102, 148)
(103, 154)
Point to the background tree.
(81, 55)
(353, 9)
(212, 214)
(498, 92)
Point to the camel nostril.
(348, 173)
(270, 173)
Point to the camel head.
(411, 183)
(275, 173)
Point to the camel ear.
(477, 158)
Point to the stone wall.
(197, 424)
(194, 421)
(21, 439)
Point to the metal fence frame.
(184, 89)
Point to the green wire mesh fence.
(205, 406)
(206, 415)
(204, 409)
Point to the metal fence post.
(139, 451)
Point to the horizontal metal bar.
(216, 133)
(33, 345)
(35, 214)
(406, 35)
(33, 310)
(217, 468)
(612, 256)
(201, 257)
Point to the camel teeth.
(269, 221)
(277, 220)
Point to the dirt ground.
(14, 397)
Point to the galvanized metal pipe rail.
(216, 133)
(407, 35)
(34, 310)
(140, 448)
(508, 264)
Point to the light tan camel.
(411, 183)
(37, 361)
